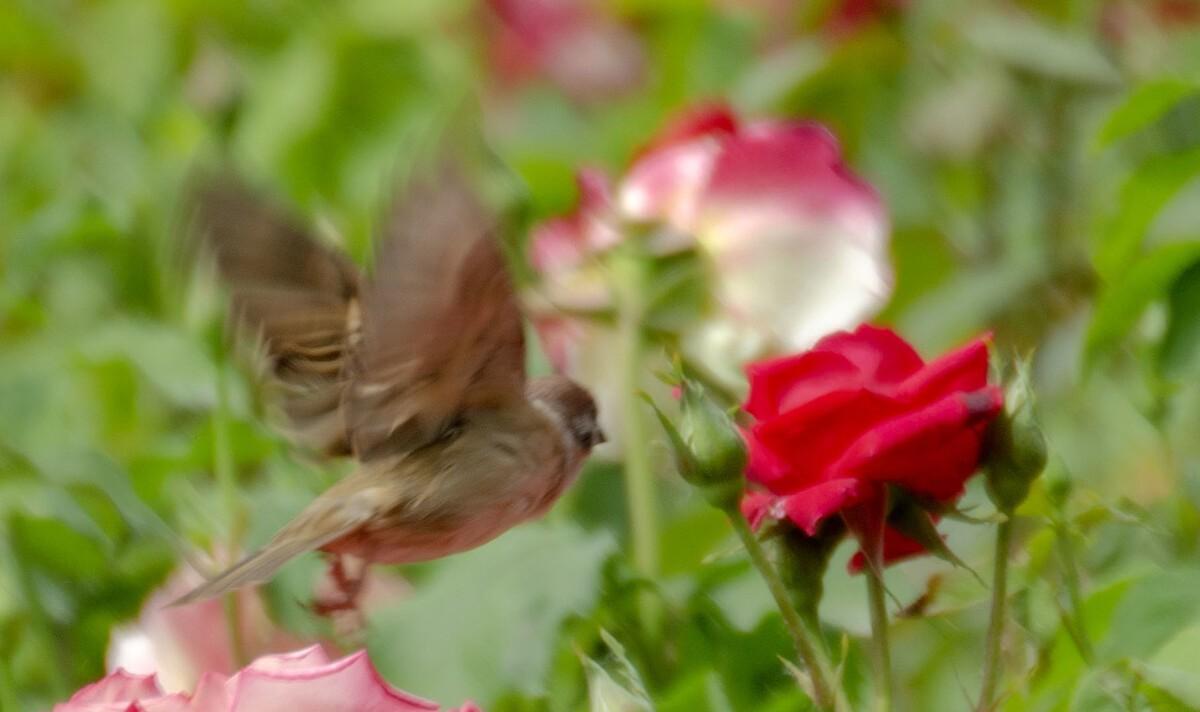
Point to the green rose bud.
(1015, 449)
(709, 451)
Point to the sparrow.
(418, 373)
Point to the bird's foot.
(339, 594)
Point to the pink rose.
(179, 644)
(797, 243)
(585, 53)
(301, 681)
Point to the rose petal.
(896, 547)
(958, 371)
(286, 684)
(809, 507)
(756, 507)
(882, 357)
(714, 120)
(119, 686)
(930, 451)
(790, 382)
(813, 439)
(800, 244)
(666, 184)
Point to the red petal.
(762, 465)
(808, 508)
(790, 382)
(931, 451)
(756, 506)
(896, 547)
(880, 354)
(963, 370)
(812, 439)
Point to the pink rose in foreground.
(301, 681)
(178, 644)
(587, 54)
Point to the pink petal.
(798, 242)
(564, 243)
(585, 52)
(287, 684)
(119, 686)
(666, 184)
(808, 508)
(712, 120)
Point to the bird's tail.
(256, 568)
(329, 517)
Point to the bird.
(417, 373)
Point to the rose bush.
(836, 426)
(301, 681)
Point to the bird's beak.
(598, 437)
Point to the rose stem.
(227, 483)
(804, 647)
(629, 274)
(881, 662)
(991, 655)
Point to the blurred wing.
(296, 295)
(441, 329)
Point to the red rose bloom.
(837, 424)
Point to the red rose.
(835, 425)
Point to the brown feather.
(295, 295)
(441, 329)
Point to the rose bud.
(1015, 448)
(709, 451)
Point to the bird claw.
(342, 596)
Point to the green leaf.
(1120, 305)
(1175, 668)
(1179, 353)
(1145, 105)
(485, 622)
(1150, 613)
(608, 694)
(1023, 42)
(1142, 196)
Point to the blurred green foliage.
(1042, 178)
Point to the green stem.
(881, 663)
(817, 670)
(226, 475)
(991, 656)
(639, 474)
